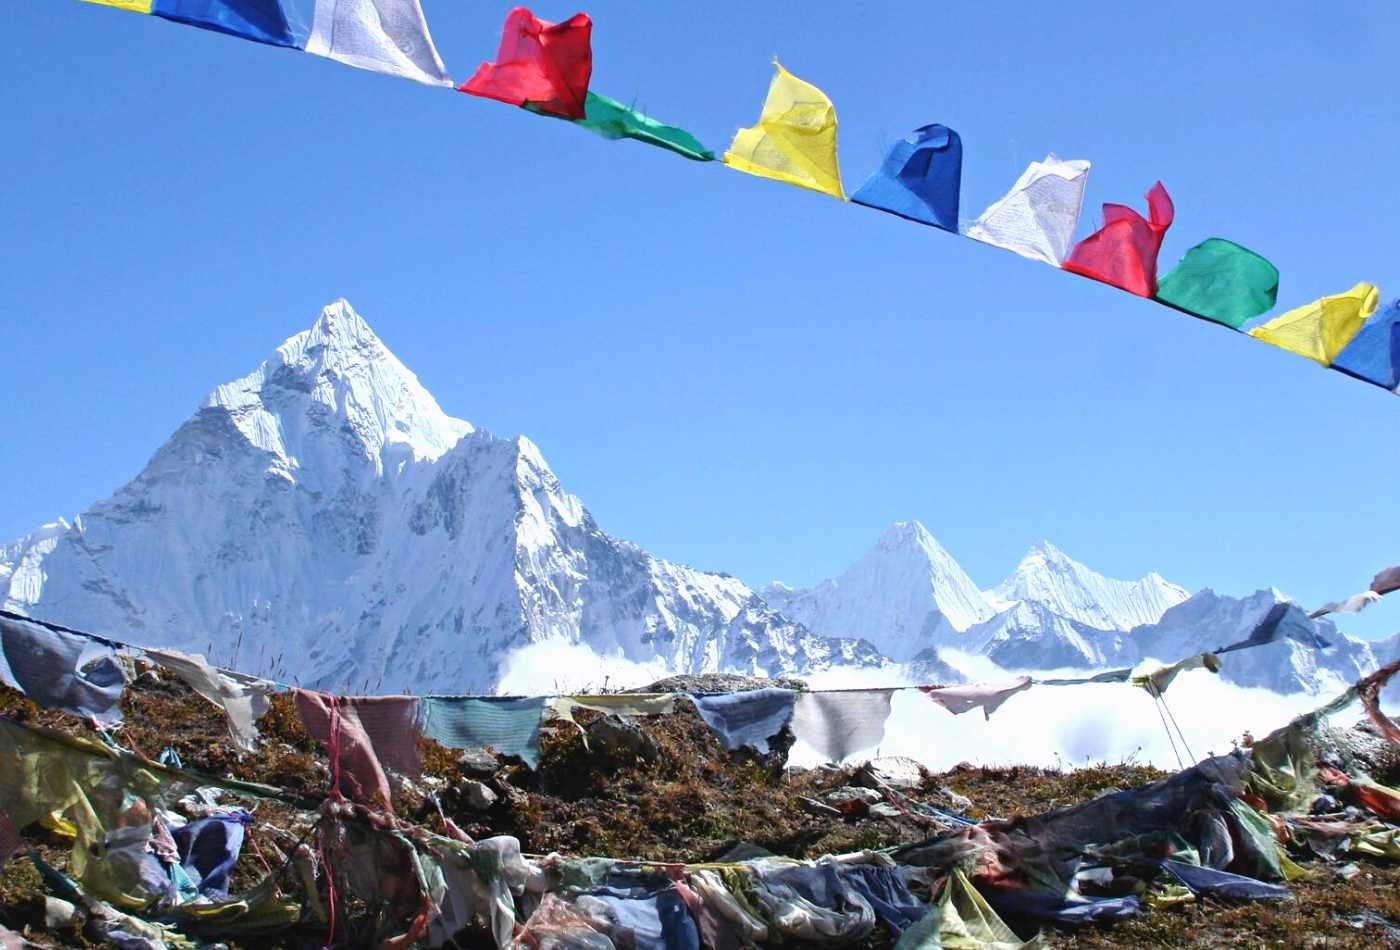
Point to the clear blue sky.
(733, 372)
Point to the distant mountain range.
(323, 520)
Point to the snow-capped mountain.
(903, 596)
(322, 520)
(1049, 577)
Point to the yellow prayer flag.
(135, 6)
(794, 140)
(1321, 329)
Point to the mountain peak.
(1047, 575)
(337, 372)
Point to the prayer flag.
(1037, 217)
(919, 178)
(986, 696)
(840, 723)
(1123, 253)
(385, 36)
(60, 670)
(1386, 581)
(748, 718)
(135, 6)
(612, 120)
(1220, 281)
(360, 732)
(510, 726)
(243, 698)
(264, 21)
(1373, 355)
(1108, 676)
(794, 140)
(544, 65)
(1285, 620)
(1320, 330)
(1352, 605)
(1157, 679)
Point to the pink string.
(258, 851)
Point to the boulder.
(851, 793)
(619, 738)
(476, 795)
(477, 763)
(896, 771)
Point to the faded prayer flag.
(1321, 330)
(748, 718)
(1220, 281)
(385, 36)
(837, 724)
(511, 726)
(794, 140)
(919, 178)
(1373, 355)
(1037, 217)
(263, 21)
(1123, 253)
(543, 65)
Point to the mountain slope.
(1048, 576)
(323, 521)
(904, 594)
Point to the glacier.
(323, 522)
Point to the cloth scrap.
(621, 704)
(887, 893)
(209, 849)
(1037, 217)
(986, 696)
(1067, 910)
(385, 36)
(362, 735)
(1223, 884)
(511, 726)
(243, 698)
(59, 670)
(794, 140)
(1157, 679)
(962, 918)
(544, 65)
(749, 718)
(811, 902)
(837, 724)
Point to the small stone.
(620, 738)
(477, 763)
(959, 803)
(885, 810)
(851, 793)
(59, 914)
(476, 795)
(896, 771)
(1348, 871)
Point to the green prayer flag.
(1220, 281)
(612, 120)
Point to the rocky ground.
(665, 789)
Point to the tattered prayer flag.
(986, 696)
(1157, 680)
(613, 120)
(1373, 355)
(1386, 580)
(837, 724)
(1123, 253)
(1352, 605)
(919, 178)
(60, 670)
(1108, 676)
(1320, 330)
(243, 698)
(361, 732)
(544, 65)
(264, 21)
(794, 140)
(1037, 217)
(1221, 281)
(1283, 621)
(749, 718)
(135, 6)
(511, 726)
(385, 36)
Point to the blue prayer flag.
(919, 179)
(1373, 355)
(511, 726)
(264, 21)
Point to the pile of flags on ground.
(547, 68)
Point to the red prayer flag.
(546, 65)
(1124, 251)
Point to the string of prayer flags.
(794, 140)
(613, 120)
(263, 21)
(360, 733)
(546, 66)
(919, 179)
(749, 718)
(511, 726)
(1123, 253)
(985, 696)
(243, 698)
(1156, 680)
(1037, 217)
(1221, 281)
(60, 670)
(383, 36)
(840, 723)
(1373, 355)
(1322, 329)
